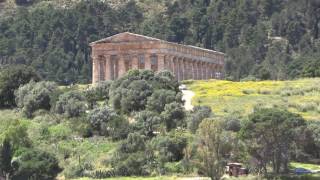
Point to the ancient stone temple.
(112, 57)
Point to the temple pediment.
(125, 37)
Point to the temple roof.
(131, 37)
(125, 37)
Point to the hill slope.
(224, 97)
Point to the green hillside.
(225, 97)
(55, 125)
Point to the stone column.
(175, 67)
(161, 59)
(121, 68)
(181, 70)
(208, 70)
(199, 70)
(196, 70)
(167, 63)
(135, 62)
(214, 71)
(192, 69)
(147, 61)
(189, 68)
(95, 69)
(204, 71)
(184, 71)
(170, 63)
(220, 72)
(108, 70)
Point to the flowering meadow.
(301, 96)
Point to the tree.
(159, 98)
(71, 104)
(311, 66)
(313, 139)
(179, 28)
(131, 158)
(36, 164)
(170, 147)
(134, 97)
(34, 96)
(147, 122)
(11, 77)
(107, 122)
(196, 116)
(100, 92)
(173, 116)
(213, 148)
(6, 155)
(133, 91)
(270, 134)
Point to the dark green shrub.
(71, 104)
(36, 165)
(196, 116)
(107, 122)
(147, 122)
(99, 92)
(34, 96)
(159, 98)
(131, 157)
(11, 78)
(173, 116)
(170, 147)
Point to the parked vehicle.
(236, 169)
(301, 171)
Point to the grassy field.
(300, 96)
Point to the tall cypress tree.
(5, 158)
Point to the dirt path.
(187, 97)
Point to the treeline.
(276, 39)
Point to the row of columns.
(185, 68)
(110, 67)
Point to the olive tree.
(107, 122)
(71, 104)
(34, 96)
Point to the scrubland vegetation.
(136, 126)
